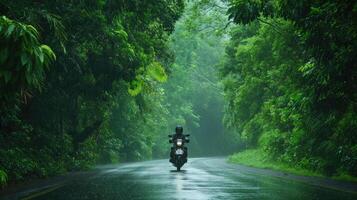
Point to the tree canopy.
(89, 96)
(290, 81)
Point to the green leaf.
(24, 59)
(156, 71)
(41, 56)
(121, 34)
(10, 30)
(3, 177)
(33, 30)
(135, 87)
(307, 68)
(48, 51)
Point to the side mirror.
(187, 135)
(170, 141)
(170, 136)
(187, 141)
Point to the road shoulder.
(340, 185)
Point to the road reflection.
(204, 178)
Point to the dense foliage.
(290, 81)
(102, 81)
(98, 99)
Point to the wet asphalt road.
(200, 178)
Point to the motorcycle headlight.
(179, 142)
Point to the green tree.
(300, 63)
(111, 57)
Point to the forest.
(290, 81)
(89, 82)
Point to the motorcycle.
(178, 155)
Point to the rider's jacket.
(178, 136)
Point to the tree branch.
(275, 28)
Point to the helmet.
(179, 129)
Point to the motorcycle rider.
(178, 135)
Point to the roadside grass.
(345, 177)
(257, 158)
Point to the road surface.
(200, 178)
